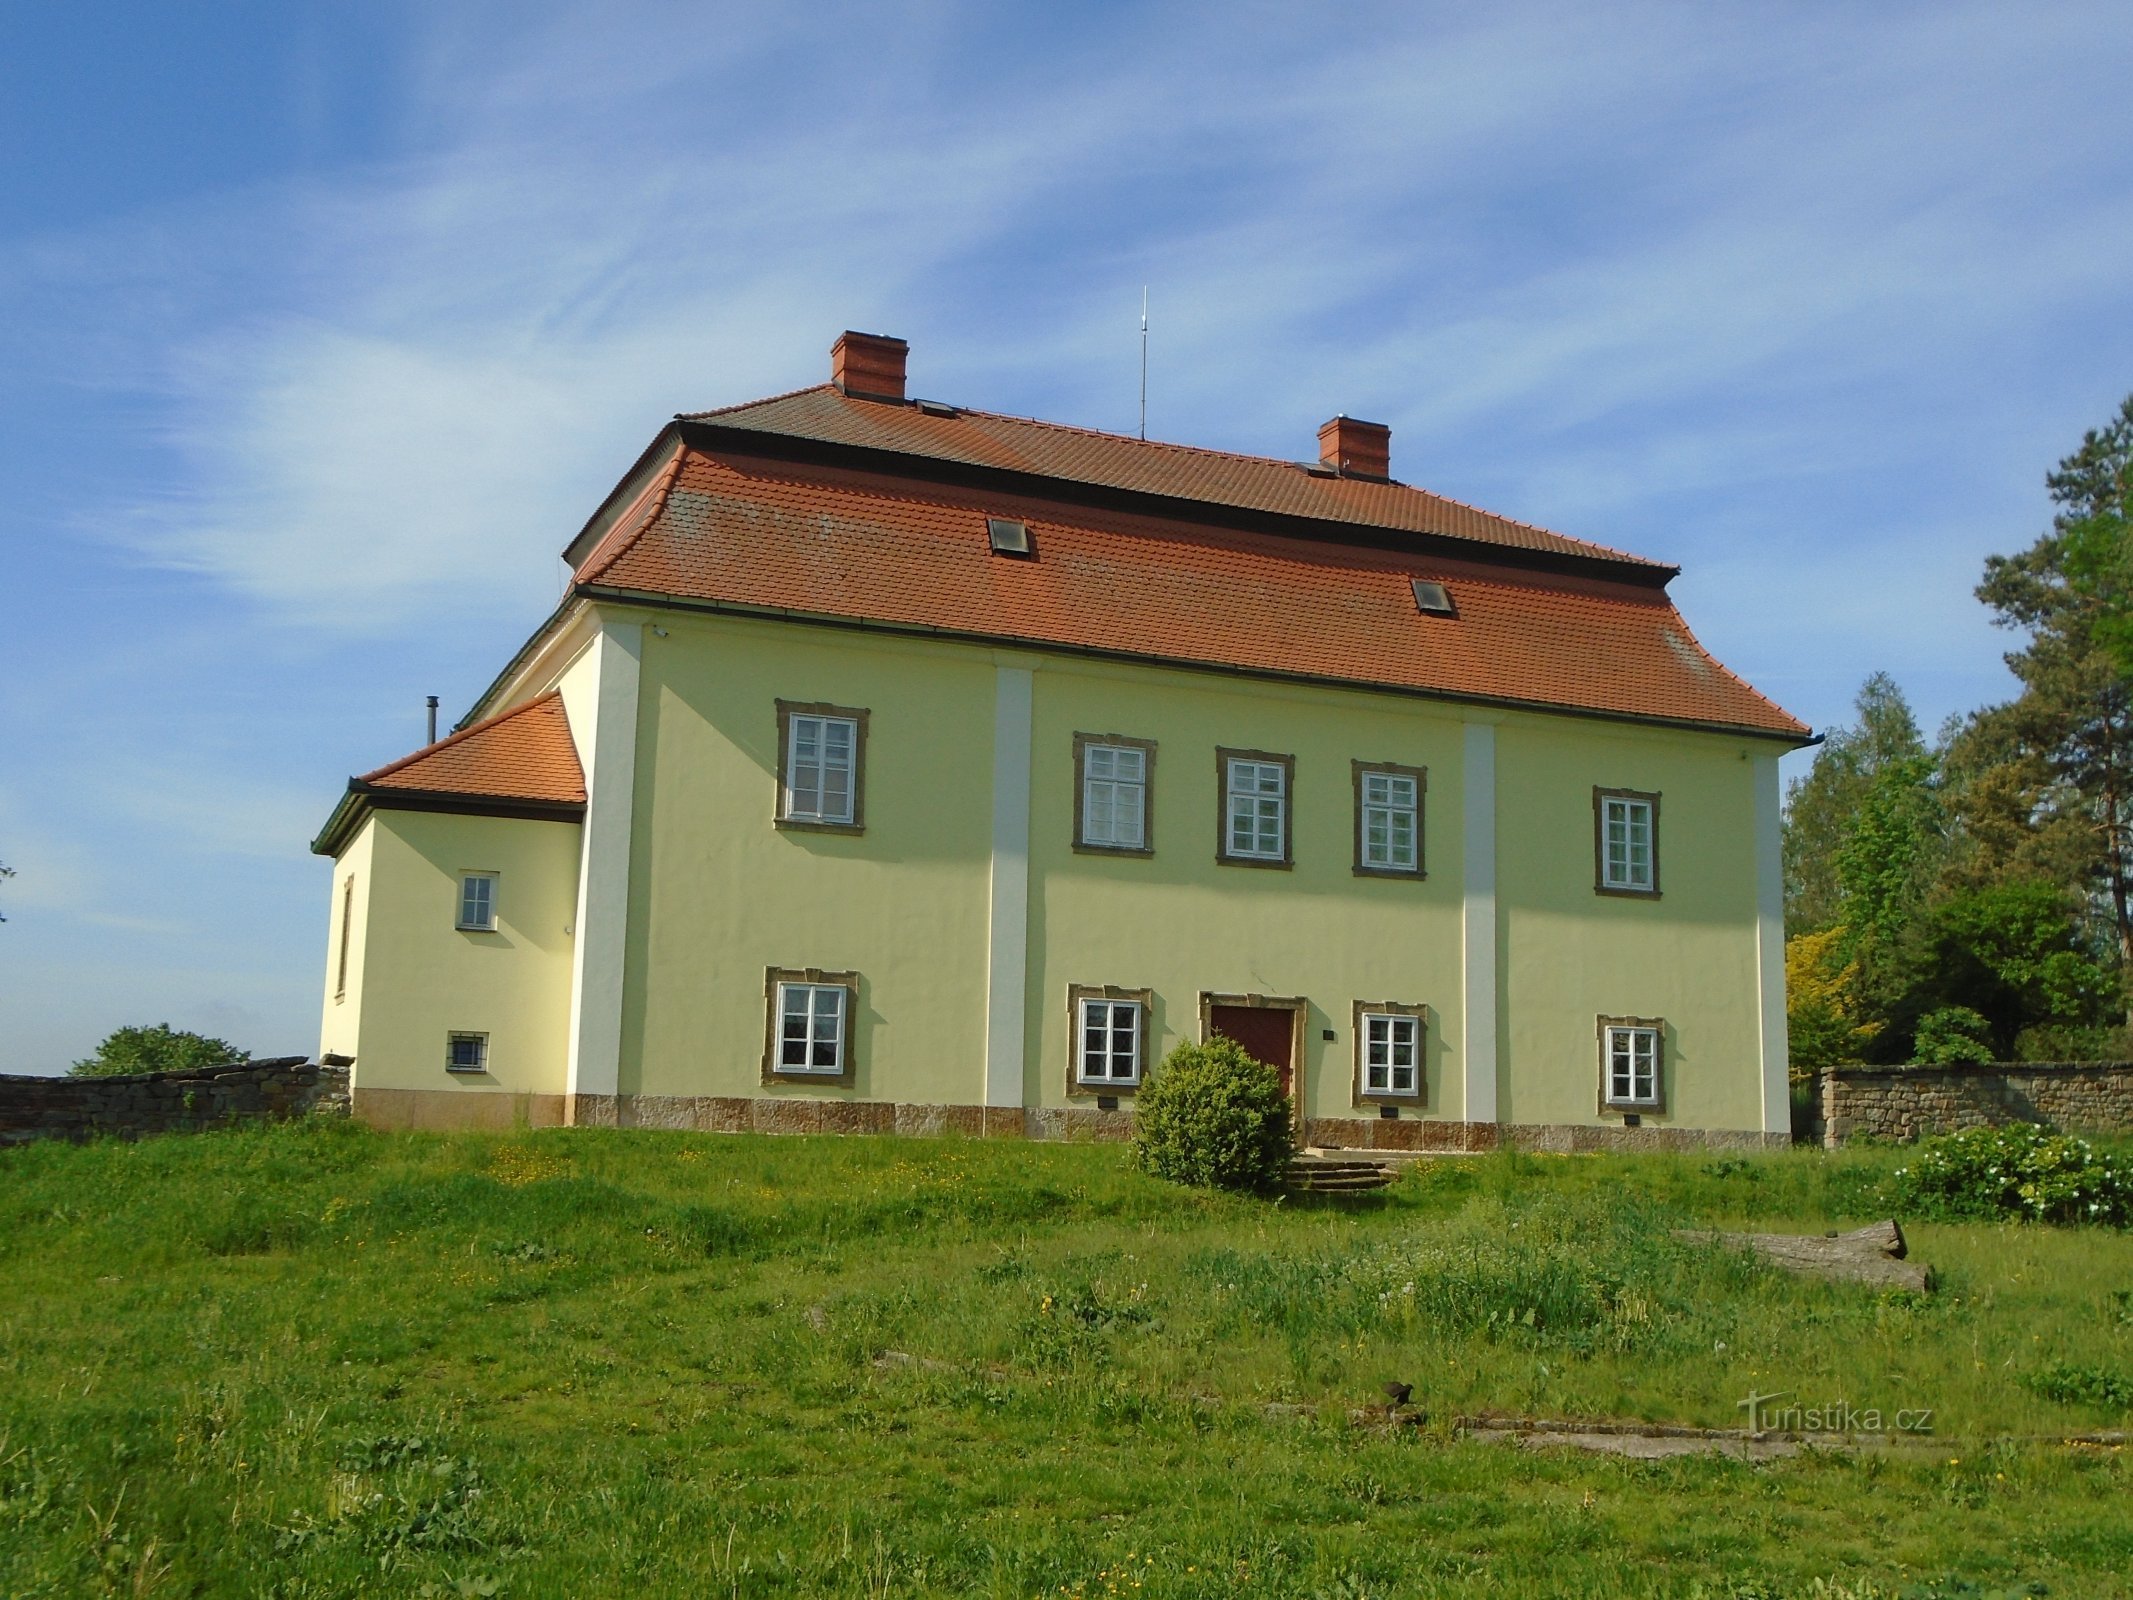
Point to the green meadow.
(316, 1361)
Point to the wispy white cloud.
(1550, 218)
(1804, 298)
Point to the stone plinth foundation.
(434, 1108)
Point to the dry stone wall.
(1906, 1103)
(169, 1102)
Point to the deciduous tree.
(1822, 808)
(157, 1047)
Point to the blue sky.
(322, 329)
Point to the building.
(894, 766)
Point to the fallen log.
(1873, 1254)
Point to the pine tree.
(2042, 787)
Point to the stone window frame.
(1363, 869)
(481, 1065)
(1116, 741)
(774, 979)
(1224, 755)
(1365, 1096)
(1656, 1106)
(858, 716)
(1600, 796)
(1076, 994)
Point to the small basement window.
(467, 1052)
(1009, 537)
(1433, 599)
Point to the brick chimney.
(1358, 449)
(868, 366)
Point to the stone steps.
(1317, 1174)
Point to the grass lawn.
(316, 1360)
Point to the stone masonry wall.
(169, 1102)
(1905, 1103)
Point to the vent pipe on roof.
(1356, 449)
(868, 366)
(432, 703)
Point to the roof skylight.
(1433, 599)
(1009, 537)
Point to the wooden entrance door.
(1267, 1033)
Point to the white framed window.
(811, 1029)
(477, 902)
(1392, 1054)
(466, 1052)
(819, 767)
(1632, 1051)
(1388, 819)
(1255, 809)
(1108, 1041)
(1114, 793)
(1626, 827)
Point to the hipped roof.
(836, 536)
(521, 762)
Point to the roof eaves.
(361, 799)
(1792, 737)
(552, 624)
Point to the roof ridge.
(760, 400)
(463, 734)
(638, 517)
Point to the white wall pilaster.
(602, 925)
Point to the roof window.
(1009, 537)
(1432, 599)
(938, 408)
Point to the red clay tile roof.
(830, 541)
(525, 753)
(1113, 461)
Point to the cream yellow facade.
(416, 978)
(969, 916)
(893, 765)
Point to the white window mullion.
(811, 1028)
(1391, 1054)
(1110, 1042)
(1258, 809)
(821, 764)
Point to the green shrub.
(1215, 1117)
(157, 1047)
(2016, 1171)
(1953, 1033)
